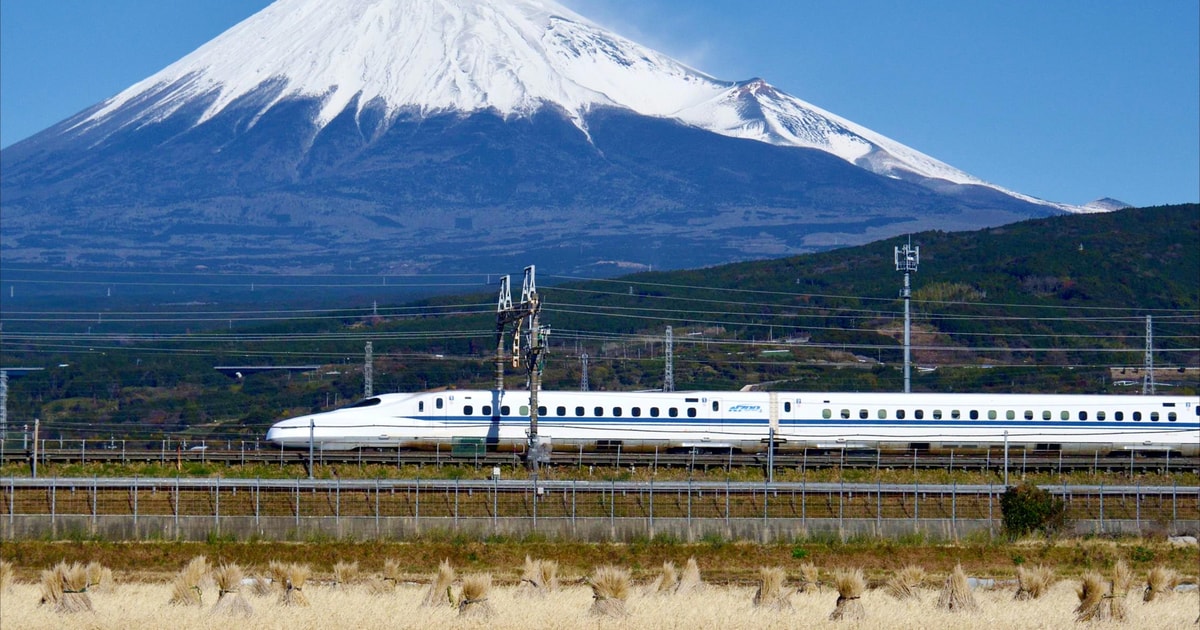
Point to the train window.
(673, 412)
(1010, 414)
(692, 412)
(992, 414)
(579, 411)
(955, 414)
(899, 414)
(1028, 415)
(560, 410)
(1170, 416)
(1137, 416)
(542, 411)
(863, 414)
(787, 406)
(1083, 415)
(826, 413)
(1065, 415)
(468, 410)
(440, 403)
(919, 414)
(1046, 415)
(937, 414)
(654, 412)
(616, 411)
(524, 410)
(974, 414)
(716, 406)
(1119, 416)
(635, 412)
(598, 411)
(504, 410)
(421, 405)
(1153, 416)
(486, 410)
(1100, 416)
(845, 414)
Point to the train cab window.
(937, 414)
(1099, 416)
(560, 410)
(845, 414)
(616, 411)
(716, 405)
(1170, 416)
(692, 412)
(636, 412)
(579, 411)
(440, 403)
(1119, 416)
(1046, 415)
(421, 405)
(955, 414)
(524, 410)
(1137, 416)
(598, 411)
(974, 414)
(366, 402)
(1153, 416)
(1066, 415)
(863, 414)
(826, 413)
(919, 414)
(1028, 415)
(468, 410)
(787, 407)
(1010, 414)
(654, 412)
(673, 412)
(505, 410)
(486, 410)
(899, 414)
(882, 414)
(1083, 415)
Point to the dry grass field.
(145, 605)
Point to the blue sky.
(1067, 100)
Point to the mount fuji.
(460, 135)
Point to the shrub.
(1027, 508)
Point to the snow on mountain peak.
(511, 56)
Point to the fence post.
(176, 507)
(82, 451)
(1101, 507)
(257, 500)
(954, 507)
(297, 507)
(417, 508)
(456, 506)
(94, 501)
(54, 507)
(1137, 507)
(217, 505)
(991, 519)
(377, 531)
(135, 506)
(878, 505)
(652, 506)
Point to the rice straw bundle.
(1032, 583)
(277, 572)
(229, 597)
(262, 585)
(810, 578)
(610, 589)
(6, 575)
(667, 580)
(771, 594)
(1160, 582)
(440, 591)
(1122, 582)
(956, 594)
(99, 577)
(344, 574)
(65, 588)
(541, 575)
(474, 602)
(904, 584)
(294, 577)
(850, 585)
(1092, 592)
(690, 579)
(387, 580)
(185, 588)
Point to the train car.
(747, 421)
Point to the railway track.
(1020, 460)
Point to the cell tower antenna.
(907, 259)
(368, 371)
(669, 376)
(1148, 368)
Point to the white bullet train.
(742, 421)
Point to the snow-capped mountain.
(350, 125)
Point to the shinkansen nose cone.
(293, 432)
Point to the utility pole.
(368, 371)
(1148, 367)
(907, 259)
(583, 380)
(517, 315)
(669, 376)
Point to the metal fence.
(297, 509)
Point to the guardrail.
(197, 508)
